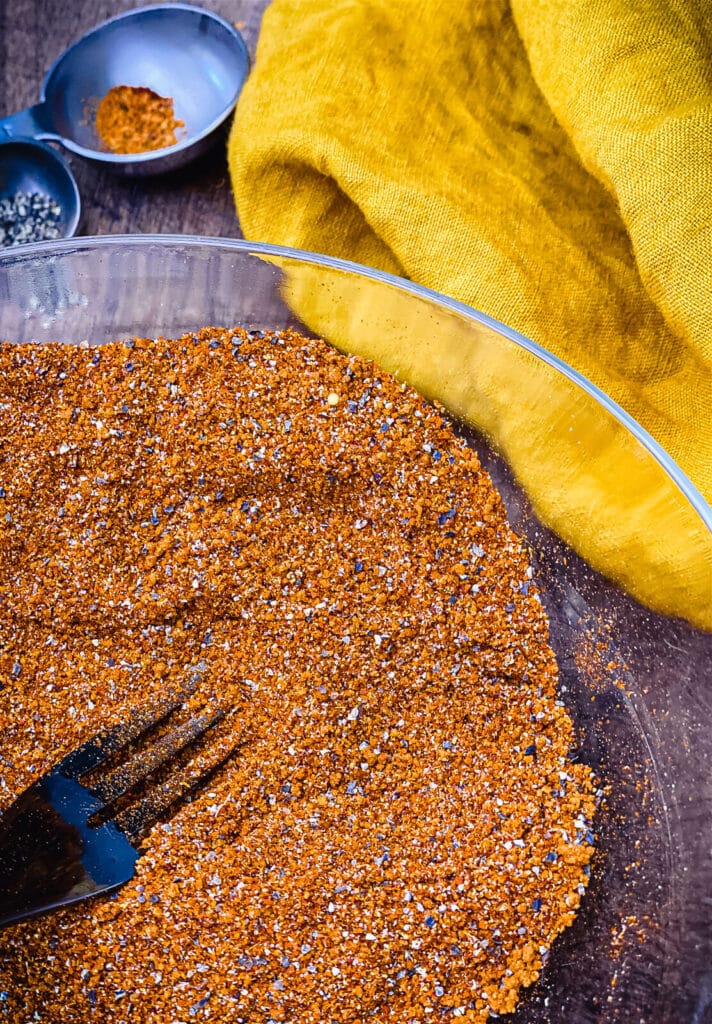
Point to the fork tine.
(140, 817)
(126, 777)
(96, 750)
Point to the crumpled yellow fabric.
(548, 162)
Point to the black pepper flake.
(29, 217)
(199, 1005)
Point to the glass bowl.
(621, 541)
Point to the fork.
(62, 841)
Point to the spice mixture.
(134, 119)
(29, 217)
(402, 834)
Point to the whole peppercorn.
(29, 217)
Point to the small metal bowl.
(191, 55)
(30, 166)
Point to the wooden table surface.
(194, 200)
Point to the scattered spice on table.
(29, 217)
(135, 119)
(403, 833)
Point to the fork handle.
(51, 857)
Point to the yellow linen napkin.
(549, 164)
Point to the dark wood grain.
(194, 200)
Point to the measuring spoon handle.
(32, 123)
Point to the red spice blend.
(403, 831)
(135, 119)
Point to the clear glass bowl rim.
(168, 241)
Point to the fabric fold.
(631, 84)
(507, 165)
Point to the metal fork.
(62, 841)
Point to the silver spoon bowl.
(191, 55)
(29, 166)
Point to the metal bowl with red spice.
(434, 692)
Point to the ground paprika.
(135, 119)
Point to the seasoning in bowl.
(135, 119)
(404, 831)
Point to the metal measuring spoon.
(31, 167)
(191, 55)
